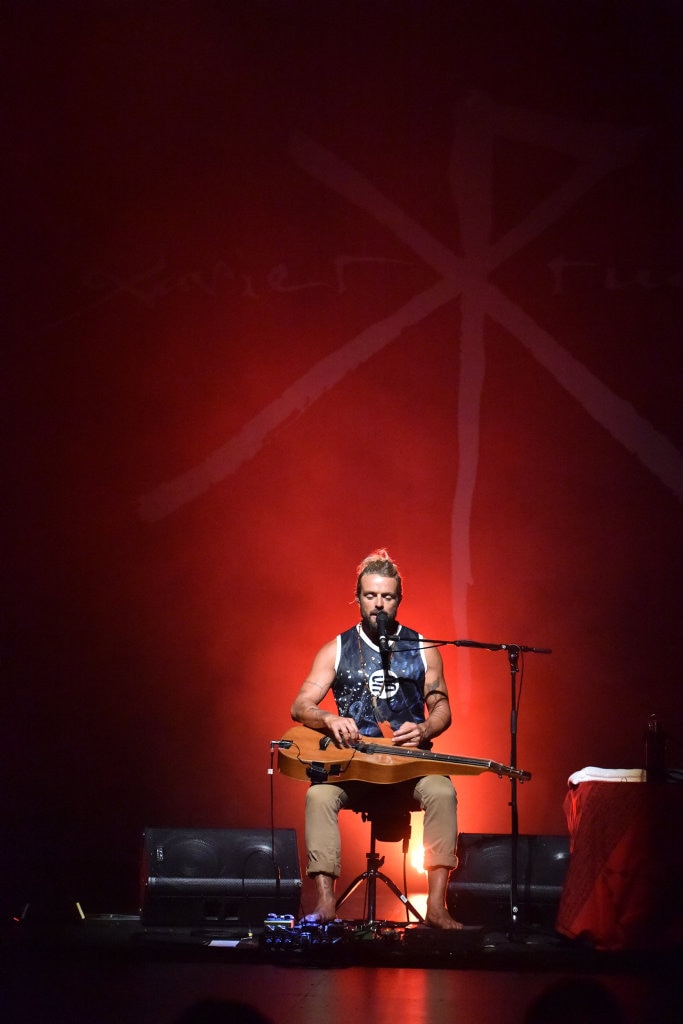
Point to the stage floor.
(111, 968)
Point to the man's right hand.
(344, 731)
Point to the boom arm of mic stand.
(518, 648)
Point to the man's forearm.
(438, 718)
(310, 715)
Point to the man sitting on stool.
(381, 687)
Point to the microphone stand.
(513, 658)
(513, 653)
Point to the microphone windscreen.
(382, 628)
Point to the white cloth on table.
(606, 775)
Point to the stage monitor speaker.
(218, 877)
(479, 889)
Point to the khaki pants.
(434, 794)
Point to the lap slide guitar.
(309, 755)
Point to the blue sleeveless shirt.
(359, 676)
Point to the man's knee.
(438, 791)
(322, 799)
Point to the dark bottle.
(655, 751)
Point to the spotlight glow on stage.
(417, 855)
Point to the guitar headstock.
(511, 773)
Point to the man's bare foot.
(326, 907)
(440, 918)
(321, 915)
(436, 915)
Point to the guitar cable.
(276, 745)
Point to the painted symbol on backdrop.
(596, 152)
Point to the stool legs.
(370, 877)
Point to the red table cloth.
(624, 883)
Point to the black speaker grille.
(191, 857)
(193, 876)
(479, 889)
(487, 859)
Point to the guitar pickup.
(318, 772)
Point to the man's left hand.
(408, 735)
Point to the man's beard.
(370, 625)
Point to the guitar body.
(309, 755)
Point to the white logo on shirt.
(377, 688)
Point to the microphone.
(383, 632)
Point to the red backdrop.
(289, 281)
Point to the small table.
(624, 883)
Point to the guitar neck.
(446, 759)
